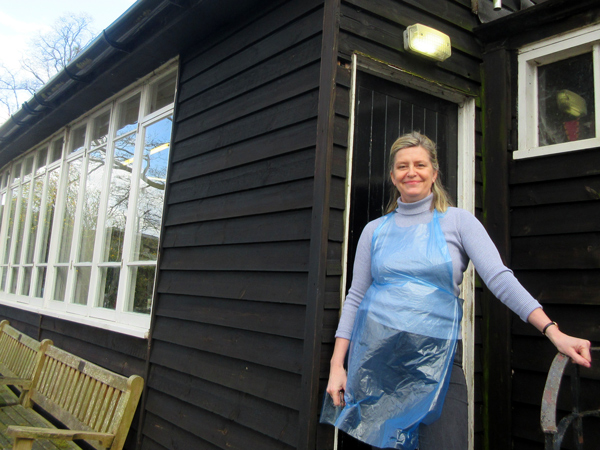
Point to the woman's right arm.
(337, 374)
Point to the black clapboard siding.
(274, 72)
(216, 125)
(300, 30)
(280, 90)
(24, 321)
(210, 52)
(556, 219)
(569, 251)
(282, 197)
(289, 167)
(272, 351)
(217, 430)
(276, 386)
(569, 190)
(272, 420)
(295, 137)
(269, 318)
(556, 167)
(277, 257)
(284, 226)
(164, 434)
(274, 287)
(562, 286)
(271, 119)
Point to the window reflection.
(566, 100)
(152, 189)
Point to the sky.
(20, 20)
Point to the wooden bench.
(93, 404)
(20, 362)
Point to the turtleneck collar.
(419, 207)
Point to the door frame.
(465, 191)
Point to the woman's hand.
(337, 374)
(576, 349)
(337, 385)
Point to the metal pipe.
(497, 5)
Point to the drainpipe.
(497, 5)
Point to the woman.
(401, 319)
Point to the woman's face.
(413, 174)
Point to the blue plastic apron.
(404, 338)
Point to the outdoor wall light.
(427, 41)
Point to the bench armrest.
(21, 382)
(21, 432)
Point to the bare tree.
(47, 54)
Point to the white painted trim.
(466, 200)
(544, 52)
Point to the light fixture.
(427, 41)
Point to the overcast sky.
(20, 20)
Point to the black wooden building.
(283, 112)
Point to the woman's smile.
(413, 174)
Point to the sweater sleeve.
(499, 279)
(361, 280)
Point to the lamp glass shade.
(427, 41)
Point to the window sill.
(565, 147)
(135, 331)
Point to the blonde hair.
(441, 198)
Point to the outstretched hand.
(576, 349)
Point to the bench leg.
(22, 444)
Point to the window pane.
(27, 271)
(128, 115)
(118, 200)
(28, 167)
(41, 282)
(82, 285)
(60, 288)
(20, 235)
(13, 281)
(16, 173)
(56, 150)
(74, 173)
(49, 215)
(566, 100)
(109, 285)
(163, 93)
(77, 139)
(100, 129)
(91, 203)
(142, 286)
(40, 162)
(11, 223)
(38, 187)
(152, 190)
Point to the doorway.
(383, 109)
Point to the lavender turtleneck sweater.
(467, 240)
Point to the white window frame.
(120, 320)
(545, 52)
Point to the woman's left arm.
(577, 349)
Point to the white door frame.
(465, 192)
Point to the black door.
(385, 110)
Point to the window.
(81, 214)
(559, 95)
